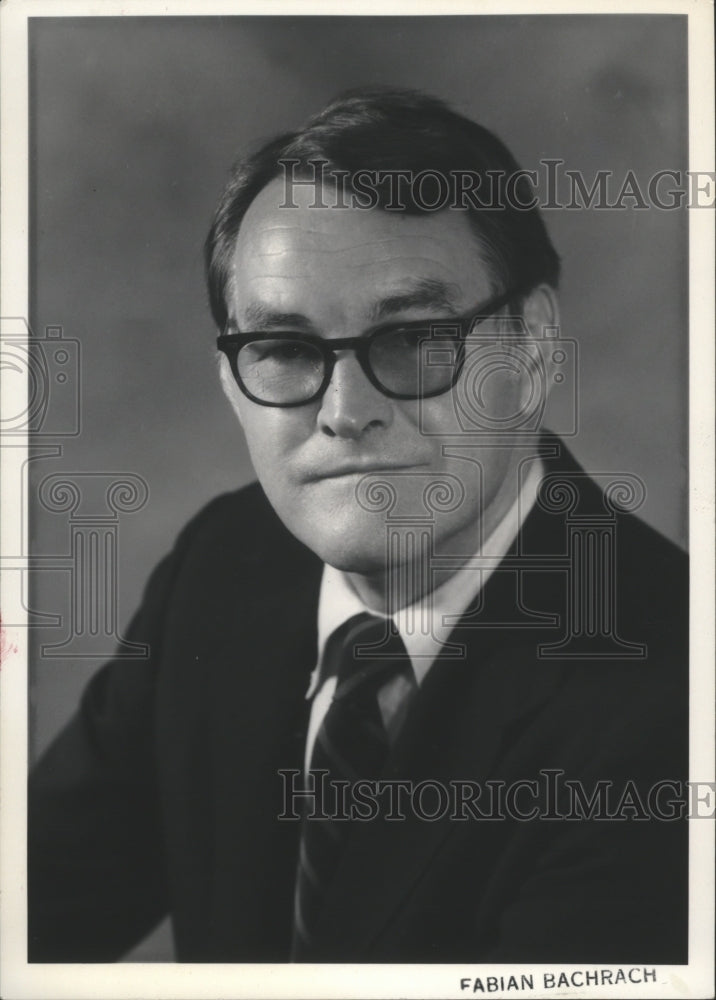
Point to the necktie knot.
(364, 654)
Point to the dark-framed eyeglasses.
(414, 360)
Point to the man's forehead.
(279, 242)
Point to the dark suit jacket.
(162, 794)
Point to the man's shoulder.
(603, 507)
(237, 507)
(662, 566)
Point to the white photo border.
(20, 979)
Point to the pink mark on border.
(7, 648)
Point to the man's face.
(340, 272)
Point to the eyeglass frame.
(230, 344)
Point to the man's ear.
(228, 384)
(540, 310)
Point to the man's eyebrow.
(258, 316)
(426, 293)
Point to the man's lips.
(361, 468)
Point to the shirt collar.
(338, 601)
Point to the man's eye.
(285, 351)
(282, 351)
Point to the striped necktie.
(365, 654)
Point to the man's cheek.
(268, 442)
(445, 416)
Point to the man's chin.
(351, 555)
(347, 547)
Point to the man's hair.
(389, 130)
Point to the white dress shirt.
(424, 626)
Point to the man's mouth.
(362, 469)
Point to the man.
(406, 699)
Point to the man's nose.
(351, 405)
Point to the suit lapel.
(259, 719)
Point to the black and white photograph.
(357, 528)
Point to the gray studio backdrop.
(134, 123)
